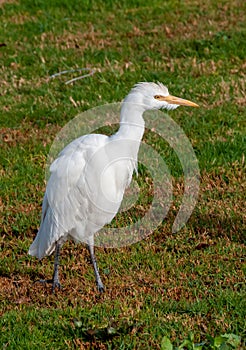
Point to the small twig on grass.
(91, 72)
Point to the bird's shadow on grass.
(217, 226)
(213, 226)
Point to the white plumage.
(90, 175)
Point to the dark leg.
(55, 279)
(99, 283)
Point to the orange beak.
(177, 101)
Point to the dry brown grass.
(169, 283)
(220, 202)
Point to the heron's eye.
(157, 97)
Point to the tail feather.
(47, 236)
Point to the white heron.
(90, 175)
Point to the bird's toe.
(100, 287)
(56, 284)
(42, 281)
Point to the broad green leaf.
(166, 344)
(232, 339)
(218, 341)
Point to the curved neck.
(131, 121)
(131, 130)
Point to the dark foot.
(55, 284)
(100, 287)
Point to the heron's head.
(155, 96)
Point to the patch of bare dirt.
(3, 2)
(21, 18)
(27, 132)
(78, 40)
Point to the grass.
(168, 284)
